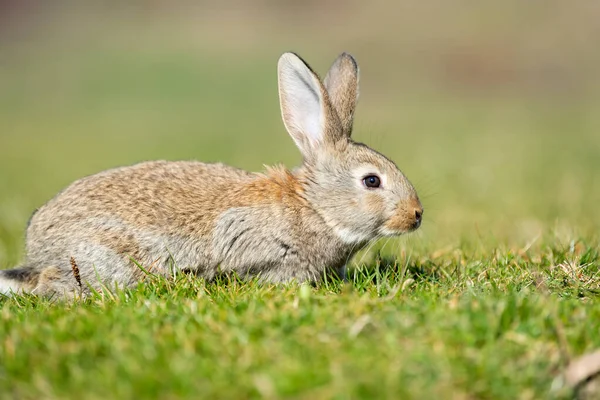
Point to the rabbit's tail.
(22, 279)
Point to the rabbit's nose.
(418, 214)
(418, 210)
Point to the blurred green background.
(490, 108)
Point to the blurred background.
(490, 108)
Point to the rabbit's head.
(360, 193)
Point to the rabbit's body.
(204, 218)
(212, 218)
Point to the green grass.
(498, 326)
(491, 298)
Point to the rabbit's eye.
(372, 181)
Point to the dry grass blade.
(75, 269)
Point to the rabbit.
(277, 226)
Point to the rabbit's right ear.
(307, 114)
(341, 83)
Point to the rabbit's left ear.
(341, 83)
(307, 112)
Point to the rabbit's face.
(362, 194)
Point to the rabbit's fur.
(210, 218)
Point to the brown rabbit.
(209, 218)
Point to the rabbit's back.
(164, 195)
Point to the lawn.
(492, 298)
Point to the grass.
(492, 298)
(492, 327)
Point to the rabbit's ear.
(307, 113)
(341, 83)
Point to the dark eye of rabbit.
(372, 181)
